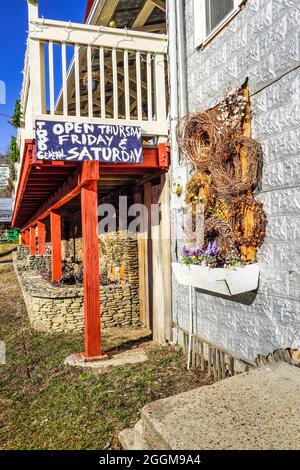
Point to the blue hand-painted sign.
(76, 142)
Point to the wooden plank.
(218, 364)
(159, 4)
(146, 259)
(55, 224)
(209, 361)
(141, 267)
(165, 254)
(202, 363)
(160, 27)
(223, 368)
(144, 14)
(41, 238)
(214, 358)
(107, 12)
(194, 346)
(231, 366)
(157, 280)
(111, 38)
(148, 128)
(89, 213)
(161, 262)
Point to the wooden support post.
(23, 239)
(55, 222)
(26, 236)
(41, 238)
(32, 243)
(91, 266)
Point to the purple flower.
(211, 250)
(191, 252)
(185, 251)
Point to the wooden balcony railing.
(95, 74)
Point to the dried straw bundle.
(228, 167)
(228, 176)
(197, 137)
(221, 231)
(198, 190)
(216, 149)
(248, 220)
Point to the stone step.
(140, 437)
(126, 438)
(256, 410)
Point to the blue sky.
(13, 32)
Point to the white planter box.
(225, 281)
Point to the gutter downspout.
(173, 79)
(183, 95)
(178, 104)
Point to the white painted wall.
(263, 43)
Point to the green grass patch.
(46, 405)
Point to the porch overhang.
(48, 185)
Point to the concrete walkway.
(256, 410)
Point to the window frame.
(201, 37)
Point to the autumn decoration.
(227, 168)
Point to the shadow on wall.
(245, 299)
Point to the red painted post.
(89, 213)
(32, 243)
(55, 223)
(23, 238)
(27, 241)
(41, 238)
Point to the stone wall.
(262, 43)
(60, 309)
(39, 263)
(23, 252)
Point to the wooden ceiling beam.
(144, 14)
(160, 4)
(107, 12)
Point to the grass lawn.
(46, 405)
(6, 250)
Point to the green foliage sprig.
(17, 117)
(14, 151)
(14, 155)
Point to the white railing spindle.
(115, 83)
(77, 80)
(64, 78)
(51, 77)
(126, 85)
(102, 82)
(90, 80)
(149, 87)
(138, 86)
(160, 88)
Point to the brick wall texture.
(262, 43)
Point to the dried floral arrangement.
(227, 169)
